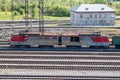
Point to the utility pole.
(109, 3)
(12, 15)
(26, 13)
(41, 16)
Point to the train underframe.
(60, 46)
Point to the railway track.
(75, 61)
(65, 57)
(62, 67)
(61, 55)
(6, 48)
(31, 77)
(10, 23)
(58, 53)
(61, 62)
(54, 61)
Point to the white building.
(92, 15)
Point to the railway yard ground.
(60, 26)
(59, 63)
(6, 33)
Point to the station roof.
(92, 8)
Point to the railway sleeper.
(58, 77)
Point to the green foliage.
(21, 11)
(117, 8)
(52, 7)
(99, 1)
(16, 13)
(4, 5)
(35, 11)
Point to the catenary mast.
(26, 13)
(12, 15)
(41, 16)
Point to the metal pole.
(31, 19)
(12, 14)
(109, 3)
(41, 16)
(26, 13)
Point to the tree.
(4, 6)
(117, 5)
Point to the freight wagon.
(116, 41)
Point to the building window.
(86, 22)
(73, 16)
(100, 16)
(112, 15)
(111, 21)
(81, 16)
(95, 15)
(105, 15)
(91, 16)
(105, 21)
(95, 21)
(102, 8)
(86, 8)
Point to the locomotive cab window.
(74, 39)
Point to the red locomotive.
(30, 39)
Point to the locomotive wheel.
(20, 46)
(14, 46)
(45, 46)
(73, 46)
(92, 47)
(26, 46)
(107, 47)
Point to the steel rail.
(61, 53)
(47, 77)
(59, 62)
(78, 57)
(67, 68)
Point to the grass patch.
(109, 31)
(56, 18)
(5, 16)
(8, 16)
(117, 22)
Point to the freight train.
(69, 40)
